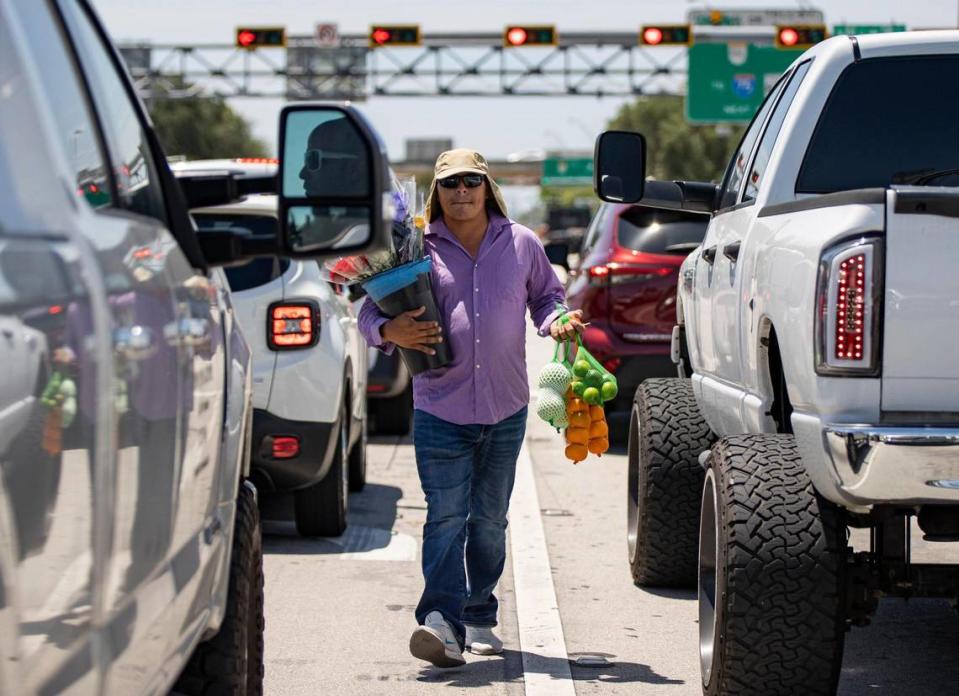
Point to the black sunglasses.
(314, 158)
(469, 180)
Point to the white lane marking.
(545, 662)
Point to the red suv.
(625, 283)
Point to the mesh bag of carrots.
(572, 389)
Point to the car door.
(733, 265)
(169, 350)
(714, 305)
(355, 348)
(55, 463)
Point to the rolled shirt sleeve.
(370, 323)
(547, 297)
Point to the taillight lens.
(285, 446)
(616, 273)
(849, 309)
(292, 325)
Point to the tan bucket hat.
(461, 161)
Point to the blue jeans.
(467, 474)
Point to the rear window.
(660, 231)
(255, 272)
(886, 122)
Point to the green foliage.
(203, 128)
(675, 148)
(567, 196)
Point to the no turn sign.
(327, 35)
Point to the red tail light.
(292, 325)
(285, 446)
(615, 273)
(849, 309)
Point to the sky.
(495, 126)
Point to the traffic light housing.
(665, 35)
(524, 35)
(395, 35)
(800, 35)
(260, 37)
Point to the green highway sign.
(727, 82)
(567, 171)
(866, 28)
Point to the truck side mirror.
(619, 166)
(334, 185)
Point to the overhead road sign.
(327, 35)
(800, 35)
(866, 28)
(567, 171)
(530, 35)
(727, 83)
(665, 35)
(260, 37)
(394, 35)
(755, 17)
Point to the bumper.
(309, 466)
(388, 377)
(860, 466)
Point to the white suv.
(309, 372)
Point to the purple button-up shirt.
(482, 304)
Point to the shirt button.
(477, 340)
(477, 289)
(477, 314)
(477, 367)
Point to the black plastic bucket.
(403, 289)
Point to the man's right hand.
(406, 332)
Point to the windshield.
(887, 121)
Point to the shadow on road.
(508, 667)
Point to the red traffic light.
(394, 35)
(800, 36)
(381, 36)
(526, 35)
(788, 36)
(260, 37)
(245, 38)
(652, 36)
(516, 36)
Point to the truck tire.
(771, 575)
(358, 461)
(394, 416)
(666, 436)
(320, 509)
(231, 662)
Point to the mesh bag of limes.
(572, 390)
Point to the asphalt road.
(339, 611)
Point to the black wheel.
(771, 573)
(666, 436)
(231, 662)
(320, 510)
(358, 461)
(394, 416)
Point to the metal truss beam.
(464, 65)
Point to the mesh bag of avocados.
(592, 382)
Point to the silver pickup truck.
(130, 551)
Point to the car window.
(68, 107)
(766, 143)
(255, 272)
(593, 233)
(660, 231)
(736, 171)
(887, 121)
(138, 187)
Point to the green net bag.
(553, 384)
(592, 382)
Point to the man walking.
(470, 416)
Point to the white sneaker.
(480, 640)
(435, 642)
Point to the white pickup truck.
(819, 383)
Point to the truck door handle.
(731, 251)
(709, 255)
(133, 342)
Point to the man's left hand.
(566, 327)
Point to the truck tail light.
(292, 325)
(616, 273)
(849, 309)
(285, 446)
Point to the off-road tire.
(320, 509)
(231, 662)
(779, 554)
(394, 416)
(358, 461)
(666, 436)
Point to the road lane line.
(545, 662)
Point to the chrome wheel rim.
(708, 544)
